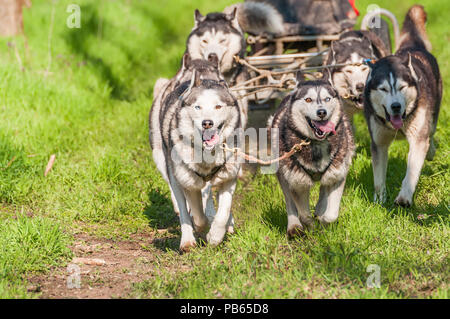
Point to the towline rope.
(237, 151)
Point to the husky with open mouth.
(402, 98)
(162, 88)
(354, 47)
(313, 112)
(195, 117)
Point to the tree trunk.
(11, 20)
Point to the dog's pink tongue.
(210, 137)
(325, 126)
(397, 121)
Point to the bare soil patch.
(107, 268)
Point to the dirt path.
(125, 263)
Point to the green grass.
(28, 245)
(91, 112)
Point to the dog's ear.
(328, 76)
(300, 77)
(334, 48)
(198, 17)
(231, 16)
(195, 78)
(411, 68)
(186, 62)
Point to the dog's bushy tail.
(413, 33)
(258, 17)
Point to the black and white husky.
(313, 112)
(192, 114)
(354, 47)
(221, 35)
(402, 98)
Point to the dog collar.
(209, 176)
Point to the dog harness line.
(237, 151)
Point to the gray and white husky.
(222, 36)
(195, 112)
(402, 98)
(223, 33)
(313, 112)
(354, 47)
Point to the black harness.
(210, 176)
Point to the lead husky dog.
(196, 116)
(354, 47)
(222, 36)
(402, 98)
(313, 112)
(162, 88)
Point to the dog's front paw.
(186, 246)
(405, 197)
(295, 230)
(326, 219)
(403, 201)
(215, 236)
(380, 196)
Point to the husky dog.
(313, 112)
(354, 47)
(197, 114)
(221, 36)
(402, 98)
(162, 88)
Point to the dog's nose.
(396, 107)
(360, 87)
(212, 57)
(207, 124)
(321, 113)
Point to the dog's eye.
(197, 107)
(328, 99)
(384, 89)
(218, 107)
(402, 88)
(308, 100)
(349, 71)
(222, 41)
(205, 41)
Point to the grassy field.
(84, 95)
